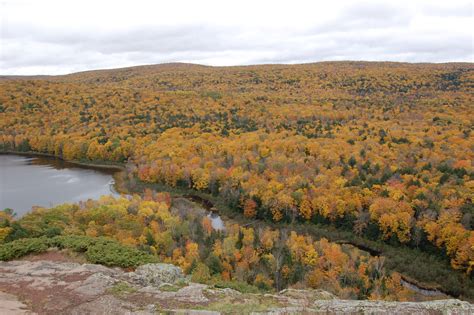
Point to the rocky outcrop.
(383, 307)
(9, 304)
(65, 287)
(157, 275)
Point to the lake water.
(27, 181)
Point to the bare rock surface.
(451, 306)
(9, 304)
(63, 286)
(157, 274)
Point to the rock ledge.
(59, 287)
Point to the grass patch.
(244, 305)
(122, 288)
(172, 287)
(240, 286)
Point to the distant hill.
(177, 66)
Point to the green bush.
(23, 247)
(77, 243)
(98, 250)
(110, 253)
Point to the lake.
(27, 181)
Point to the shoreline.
(118, 169)
(90, 164)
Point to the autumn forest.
(316, 166)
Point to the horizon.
(236, 66)
(52, 37)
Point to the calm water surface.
(27, 181)
(41, 181)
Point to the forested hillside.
(384, 150)
(263, 257)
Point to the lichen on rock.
(59, 287)
(157, 274)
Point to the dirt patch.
(55, 255)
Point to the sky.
(58, 37)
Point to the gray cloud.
(357, 31)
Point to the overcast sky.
(56, 37)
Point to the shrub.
(97, 250)
(23, 247)
(111, 253)
(77, 243)
(201, 273)
(214, 264)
